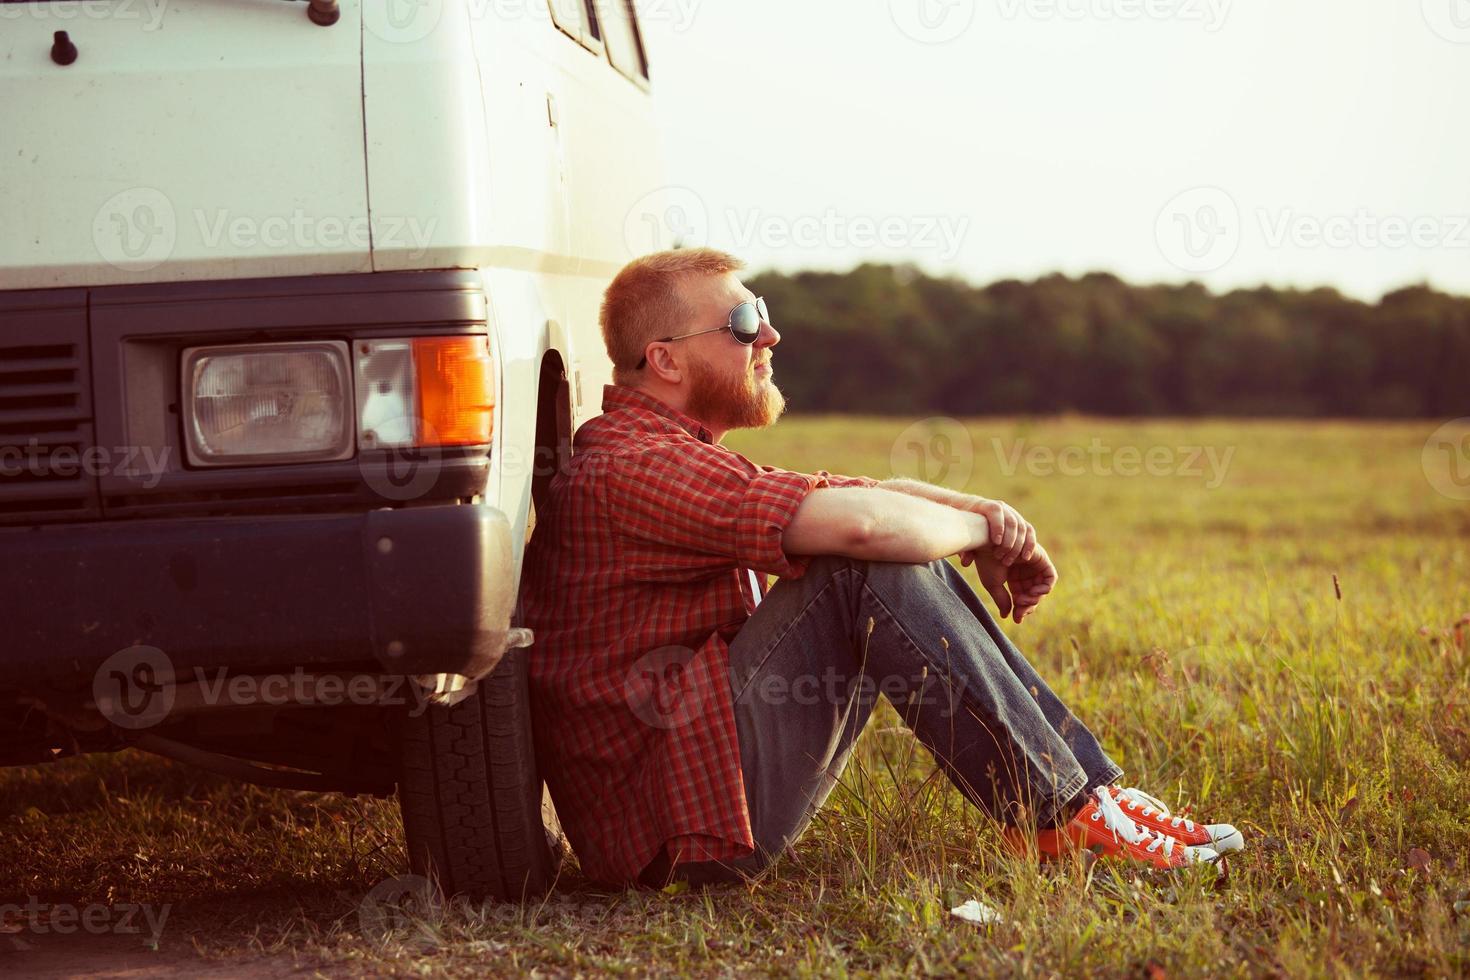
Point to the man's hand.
(1028, 581)
(1012, 537)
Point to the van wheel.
(470, 794)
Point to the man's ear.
(662, 365)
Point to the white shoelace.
(1122, 826)
(1137, 797)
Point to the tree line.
(892, 340)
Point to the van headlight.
(424, 391)
(268, 403)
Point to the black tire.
(470, 793)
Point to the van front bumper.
(412, 591)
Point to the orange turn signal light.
(456, 389)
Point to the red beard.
(724, 401)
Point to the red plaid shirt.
(635, 583)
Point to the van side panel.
(429, 163)
(190, 140)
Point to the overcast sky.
(1290, 142)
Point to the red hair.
(643, 303)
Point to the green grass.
(1197, 630)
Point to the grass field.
(1272, 630)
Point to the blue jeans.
(805, 672)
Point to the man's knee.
(826, 566)
(823, 566)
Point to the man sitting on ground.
(688, 722)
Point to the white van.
(298, 310)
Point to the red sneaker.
(1102, 827)
(1150, 812)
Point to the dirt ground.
(213, 937)
(117, 957)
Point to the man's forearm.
(928, 491)
(1010, 531)
(905, 521)
(904, 529)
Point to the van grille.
(45, 427)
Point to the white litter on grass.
(976, 912)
